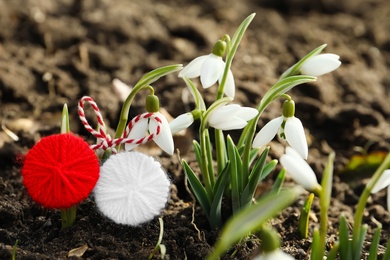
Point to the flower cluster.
(131, 188)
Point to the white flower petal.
(193, 69)
(138, 131)
(164, 140)
(222, 114)
(388, 198)
(230, 87)
(320, 64)
(383, 182)
(246, 113)
(267, 133)
(295, 136)
(211, 70)
(275, 255)
(299, 170)
(181, 122)
(232, 124)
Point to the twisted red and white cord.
(106, 141)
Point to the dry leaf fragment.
(79, 251)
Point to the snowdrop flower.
(320, 64)
(231, 117)
(276, 254)
(384, 181)
(299, 170)
(210, 69)
(289, 127)
(164, 139)
(132, 188)
(181, 122)
(144, 124)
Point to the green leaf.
(234, 177)
(154, 75)
(345, 243)
(387, 252)
(316, 250)
(252, 218)
(277, 186)
(199, 102)
(198, 189)
(65, 128)
(219, 188)
(359, 244)
(304, 217)
(254, 178)
(198, 153)
(283, 86)
(294, 70)
(333, 252)
(373, 255)
(209, 156)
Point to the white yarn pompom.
(132, 188)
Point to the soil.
(54, 52)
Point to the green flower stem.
(325, 195)
(68, 216)
(203, 135)
(232, 48)
(277, 90)
(126, 109)
(144, 82)
(363, 201)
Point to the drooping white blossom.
(274, 255)
(164, 139)
(181, 122)
(293, 132)
(210, 69)
(320, 64)
(383, 182)
(299, 170)
(231, 117)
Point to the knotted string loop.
(105, 140)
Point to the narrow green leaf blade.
(219, 188)
(252, 218)
(304, 217)
(65, 128)
(359, 244)
(387, 252)
(154, 75)
(254, 178)
(333, 252)
(373, 255)
(235, 179)
(198, 189)
(278, 184)
(316, 250)
(345, 243)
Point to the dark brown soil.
(54, 52)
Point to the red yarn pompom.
(60, 171)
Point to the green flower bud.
(152, 103)
(288, 108)
(219, 48)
